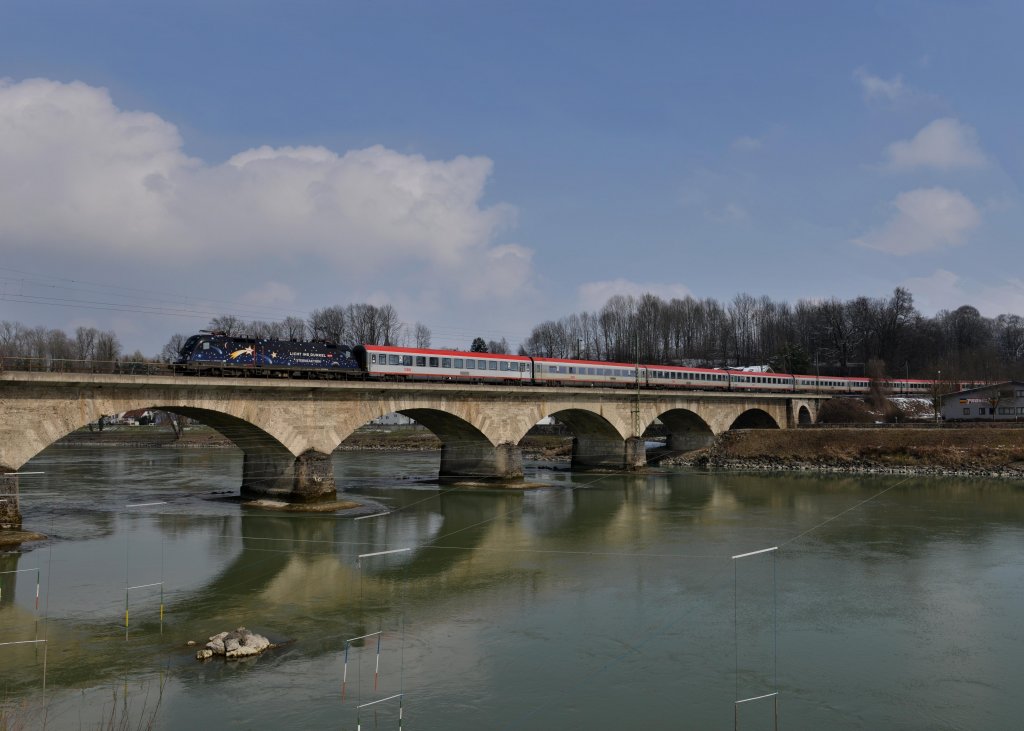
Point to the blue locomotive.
(217, 354)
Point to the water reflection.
(529, 594)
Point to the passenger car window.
(393, 360)
(421, 361)
(407, 360)
(458, 363)
(446, 362)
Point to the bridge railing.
(77, 365)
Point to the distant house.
(392, 419)
(994, 402)
(136, 417)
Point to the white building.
(995, 402)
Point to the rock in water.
(239, 643)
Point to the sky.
(485, 166)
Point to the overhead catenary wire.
(120, 298)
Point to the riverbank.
(989, 452)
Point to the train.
(217, 354)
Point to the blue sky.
(485, 166)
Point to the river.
(591, 602)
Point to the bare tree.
(329, 323)
(389, 325)
(294, 328)
(262, 330)
(85, 343)
(498, 346)
(421, 334)
(171, 350)
(108, 349)
(364, 322)
(229, 325)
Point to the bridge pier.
(305, 478)
(598, 452)
(10, 509)
(462, 458)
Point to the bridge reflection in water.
(557, 594)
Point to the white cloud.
(746, 143)
(79, 175)
(593, 295)
(925, 219)
(875, 87)
(943, 144)
(501, 271)
(944, 290)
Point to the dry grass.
(952, 449)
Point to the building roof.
(987, 387)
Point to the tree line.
(859, 336)
(354, 323)
(51, 349)
(833, 336)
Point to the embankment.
(953, 451)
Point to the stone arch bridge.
(287, 429)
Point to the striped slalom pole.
(348, 643)
(23, 571)
(344, 672)
(376, 670)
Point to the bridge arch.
(687, 430)
(268, 466)
(597, 443)
(755, 419)
(465, 449)
(803, 416)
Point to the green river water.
(592, 602)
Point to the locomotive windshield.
(189, 345)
